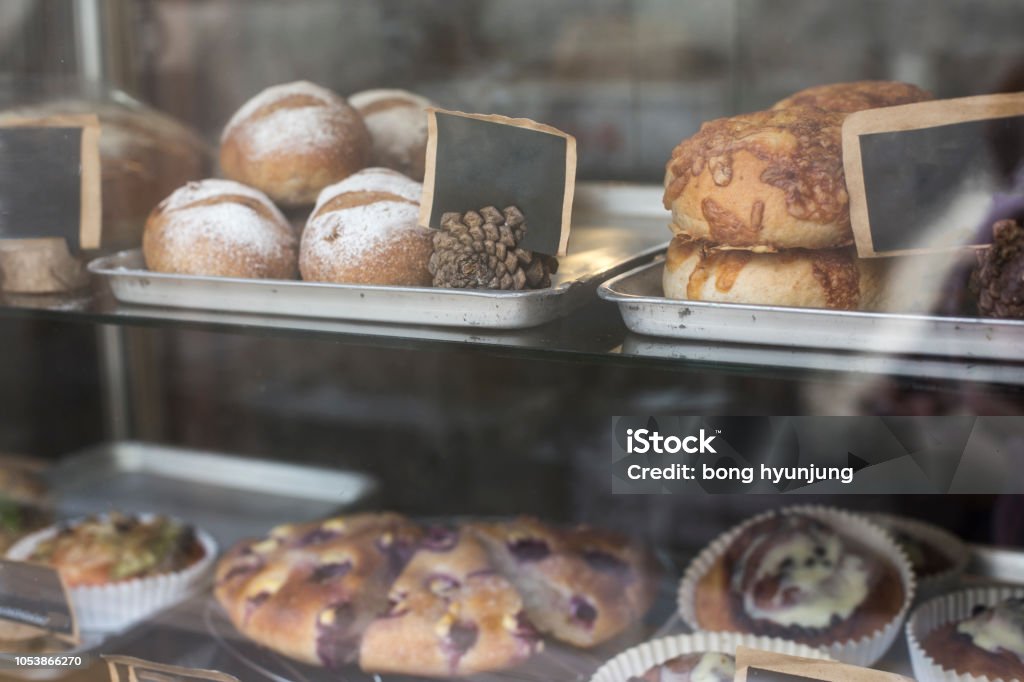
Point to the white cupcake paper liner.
(940, 611)
(638, 660)
(940, 539)
(114, 606)
(864, 651)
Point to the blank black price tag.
(476, 160)
(932, 176)
(50, 180)
(33, 595)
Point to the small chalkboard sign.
(926, 177)
(755, 665)
(33, 598)
(50, 180)
(476, 160)
(130, 669)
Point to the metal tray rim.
(607, 291)
(102, 266)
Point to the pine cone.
(480, 250)
(999, 279)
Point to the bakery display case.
(329, 395)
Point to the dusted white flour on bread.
(359, 230)
(296, 129)
(374, 240)
(397, 122)
(227, 221)
(373, 180)
(200, 190)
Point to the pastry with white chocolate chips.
(310, 590)
(796, 577)
(450, 614)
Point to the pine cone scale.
(480, 250)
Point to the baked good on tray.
(450, 614)
(990, 642)
(581, 585)
(397, 121)
(431, 601)
(809, 575)
(310, 590)
(292, 140)
(116, 547)
(220, 228)
(855, 96)
(365, 230)
(823, 278)
(708, 666)
(763, 181)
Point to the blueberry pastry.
(581, 585)
(700, 667)
(989, 643)
(450, 614)
(797, 577)
(310, 590)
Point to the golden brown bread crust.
(581, 585)
(397, 122)
(309, 590)
(451, 614)
(718, 607)
(765, 181)
(847, 98)
(954, 651)
(829, 278)
(219, 228)
(293, 140)
(364, 230)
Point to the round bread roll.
(293, 140)
(830, 278)
(847, 98)
(219, 228)
(764, 181)
(364, 230)
(398, 125)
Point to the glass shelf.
(593, 333)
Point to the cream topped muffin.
(989, 643)
(798, 577)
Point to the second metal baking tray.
(614, 228)
(229, 497)
(646, 310)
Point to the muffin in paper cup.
(115, 605)
(944, 610)
(930, 582)
(862, 649)
(638, 660)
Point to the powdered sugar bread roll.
(220, 228)
(293, 140)
(397, 121)
(364, 230)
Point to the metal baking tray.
(645, 310)
(229, 497)
(614, 228)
